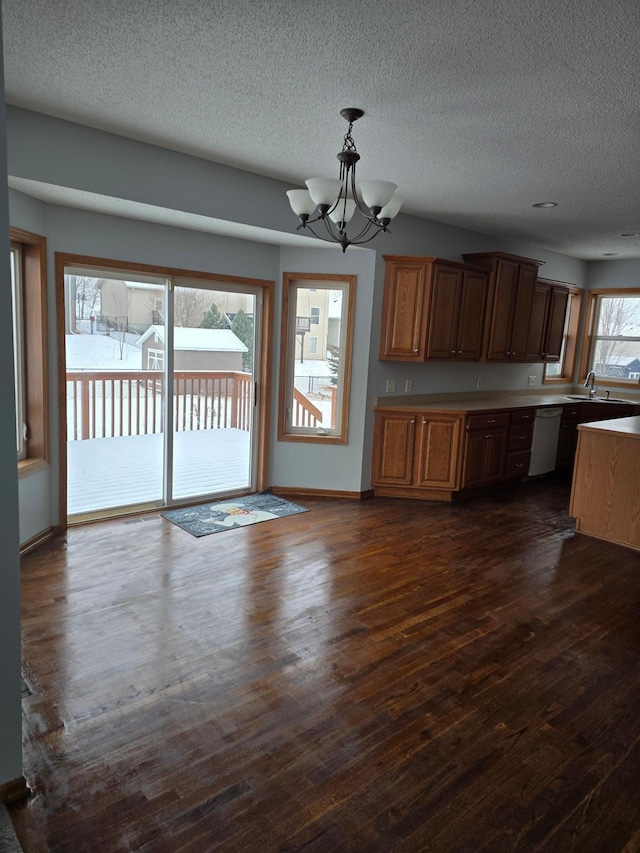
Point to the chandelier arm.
(368, 225)
(358, 242)
(359, 204)
(318, 236)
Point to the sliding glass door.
(160, 390)
(213, 391)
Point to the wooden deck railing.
(109, 404)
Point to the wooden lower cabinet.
(439, 456)
(484, 449)
(416, 455)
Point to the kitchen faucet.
(590, 383)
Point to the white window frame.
(337, 433)
(156, 356)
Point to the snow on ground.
(103, 352)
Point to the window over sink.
(612, 337)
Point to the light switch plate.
(533, 380)
(391, 385)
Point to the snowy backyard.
(121, 463)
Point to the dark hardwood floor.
(384, 675)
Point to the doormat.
(237, 512)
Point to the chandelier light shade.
(333, 201)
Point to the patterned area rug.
(237, 512)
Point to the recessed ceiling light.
(630, 234)
(545, 204)
(609, 254)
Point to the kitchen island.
(605, 493)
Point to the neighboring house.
(133, 306)
(130, 306)
(621, 368)
(194, 349)
(318, 327)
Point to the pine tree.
(213, 319)
(333, 361)
(242, 327)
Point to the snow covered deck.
(105, 473)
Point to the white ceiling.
(476, 108)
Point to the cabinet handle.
(453, 352)
(459, 352)
(508, 353)
(519, 465)
(520, 436)
(413, 421)
(416, 350)
(425, 422)
(491, 421)
(488, 435)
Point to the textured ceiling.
(475, 108)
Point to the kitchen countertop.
(481, 401)
(624, 427)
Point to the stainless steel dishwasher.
(544, 447)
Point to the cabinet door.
(437, 451)
(484, 456)
(522, 312)
(404, 320)
(393, 448)
(538, 322)
(472, 313)
(444, 313)
(501, 320)
(558, 302)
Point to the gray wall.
(614, 274)
(10, 702)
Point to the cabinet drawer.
(520, 437)
(571, 413)
(491, 419)
(517, 464)
(523, 416)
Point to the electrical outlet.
(407, 385)
(533, 380)
(391, 385)
(479, 382)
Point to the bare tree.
(189, 306)
(87, 294)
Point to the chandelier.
(335, 200)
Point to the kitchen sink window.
(613, 336)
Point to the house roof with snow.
(205, 340)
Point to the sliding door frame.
(262, 381)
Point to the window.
(155, 359)
(562, 371)
(612, 336)
(29, 291)
(314, 392)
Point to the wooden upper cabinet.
(404, 316)
(548, 316)
(558, 304)
(538, 324)
(433, 309)
(473, 305)
(512, 284)
(444, 313)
